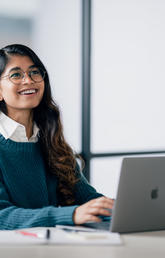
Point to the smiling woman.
(15, 85)
(40, 181)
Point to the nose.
(26, 79)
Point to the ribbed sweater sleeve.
(12, 217)
(28, 194)
(84, 192)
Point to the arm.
(12, 217)
(84, 192)
(93, 205)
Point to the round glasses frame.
(17, 76)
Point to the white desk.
(139, 245)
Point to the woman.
(40, 181)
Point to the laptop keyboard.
(103, 225)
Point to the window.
(127, 84)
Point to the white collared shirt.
(12, 130)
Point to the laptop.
(140, 202)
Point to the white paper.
(13, 237)
(85, 238)
(59, 237)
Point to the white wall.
(57, 37)
(15, 30)
(16, 21)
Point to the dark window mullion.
(86, 87)
(116, 154)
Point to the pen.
(75, 228)
(26, 233)
(33, 234)
(48, 234)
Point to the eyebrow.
(18, 68)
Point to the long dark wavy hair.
(59, 156)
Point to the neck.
(24, 118)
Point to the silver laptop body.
(140, 202)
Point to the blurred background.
(127, 74)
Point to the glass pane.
(105, 175)
(128, 82)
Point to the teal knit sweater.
(28, 192)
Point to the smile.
(28, 92)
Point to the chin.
(30, 105)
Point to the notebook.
(140, 201)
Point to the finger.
(99, 211)
(92, 218)
(105, 199)
(102, 205)
(101, 202)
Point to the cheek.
(10, 95)
(10, 98)
(42, 89)
(8, 92)
(6, 87)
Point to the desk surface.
(148, 244)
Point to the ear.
(1, 97)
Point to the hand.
(92, 209)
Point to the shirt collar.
(16, 131)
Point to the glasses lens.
(16, 76)
(37, 74)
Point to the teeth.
(27, 92)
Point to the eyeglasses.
(36, 74)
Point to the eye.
(35, 72)
(15, 75)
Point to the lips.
(28, 91)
